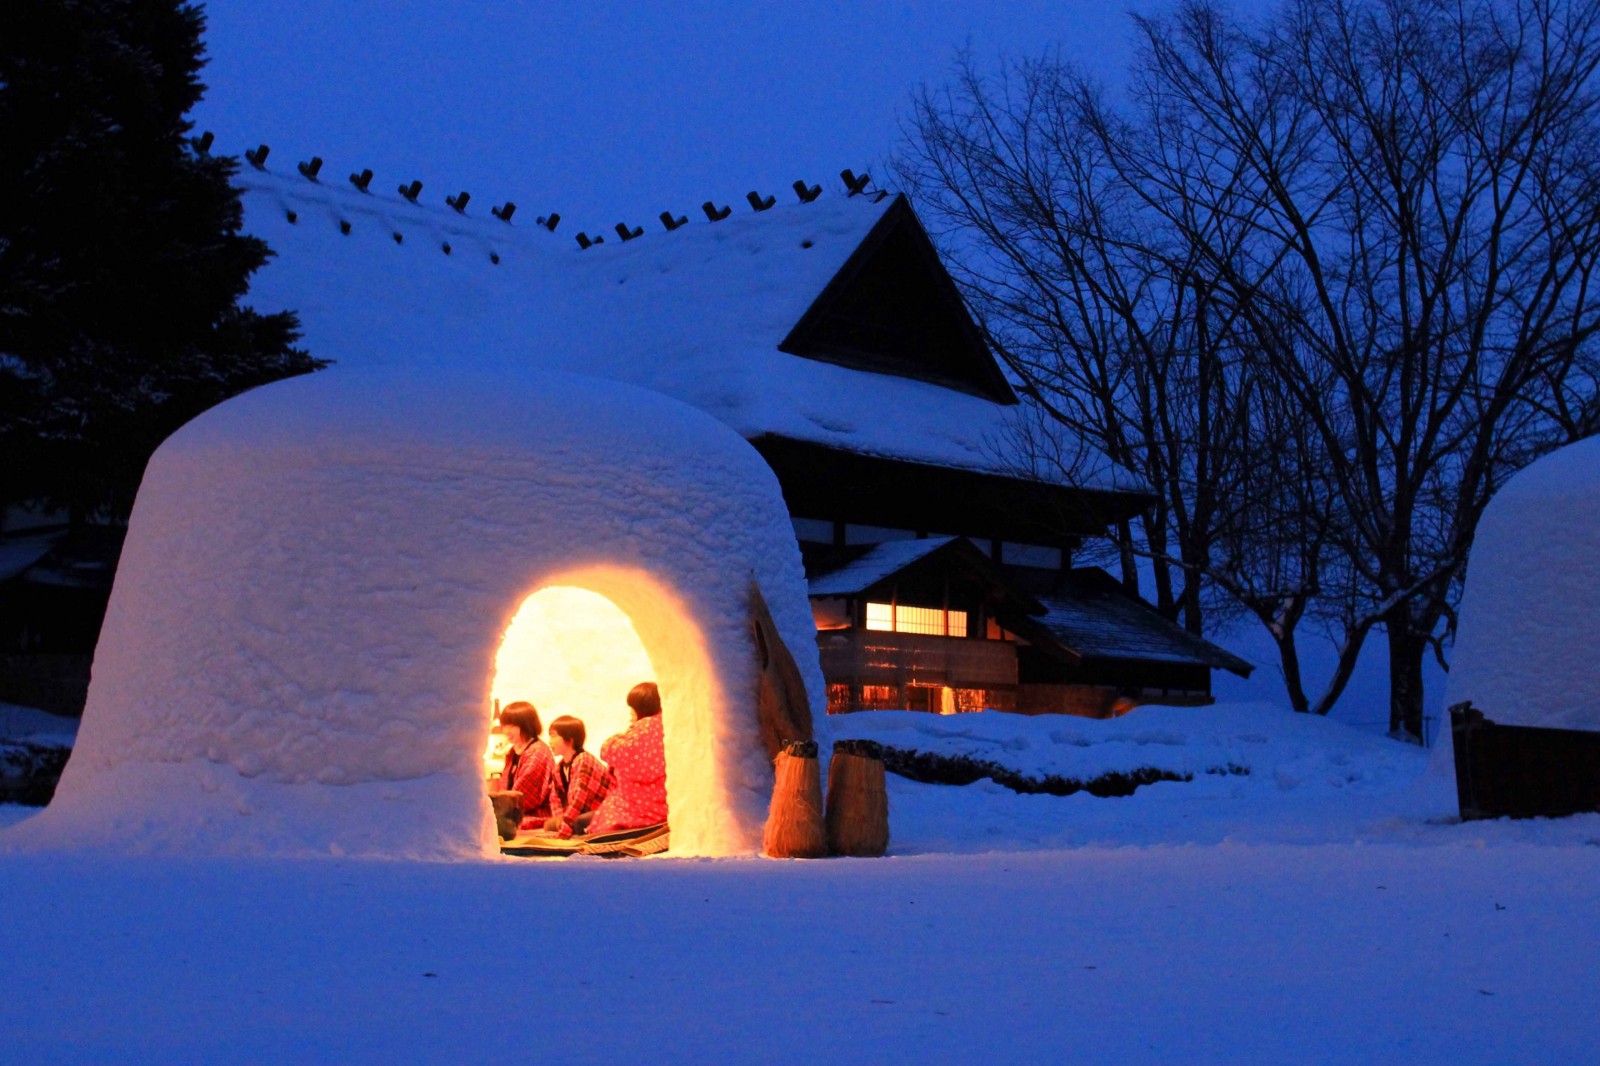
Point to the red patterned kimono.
(639, 762)
(578, 790)
(530, 774)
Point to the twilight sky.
(606, 111)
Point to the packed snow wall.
(301, 641)
(1525, 649)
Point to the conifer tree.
(121, 258)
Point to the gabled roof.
(698, 314)
(875, 564)
(892, 308)
(861, 570)
(1090, 613)
(878, 564)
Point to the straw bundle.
(858, 802)
(794, 821)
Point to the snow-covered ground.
(1314, 909)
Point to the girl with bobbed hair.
(579, 784)
(529, 763)
(638, 761)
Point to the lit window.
(919, 620)
(892, 618)
(880, 697)
(970, 700)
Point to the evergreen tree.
(121, 260)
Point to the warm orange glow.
(570, 651)
(893, 618)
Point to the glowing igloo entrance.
(568, 651)
(577, 645)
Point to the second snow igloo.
(1525, 649)
(301, 648)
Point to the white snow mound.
(301, 641)
(1524, 650)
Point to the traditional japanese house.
(829, 335)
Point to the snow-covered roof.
(878, 563)
(1093, 617)
(696, 314)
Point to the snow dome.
(1524, 650)
(311, 616)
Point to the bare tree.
(1102, 315)
(1361, 233)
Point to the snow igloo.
(1525, 644)
(327, 583)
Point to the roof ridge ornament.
(629, 234)
(362, 180)
(459, 202)
(202, 143)
(585, 242)
(412, 191)
(310, 170)
(855, 185)
(806, 194)
(258, 157)
(549, 223)
(504, 212)
(713, 213)
(758, 203)
(672, 223)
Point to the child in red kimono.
(580, 783)
(638, 760)
(529, 764)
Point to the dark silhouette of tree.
(121, 260)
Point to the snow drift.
(1524, 650)
(300, 645)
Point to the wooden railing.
(871, 657)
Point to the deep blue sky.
(606, 111)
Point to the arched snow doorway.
(569, 651)
(583, 638)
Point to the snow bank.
(1274, 749)
(300, 645)
(1525, 646)
(36, 726)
